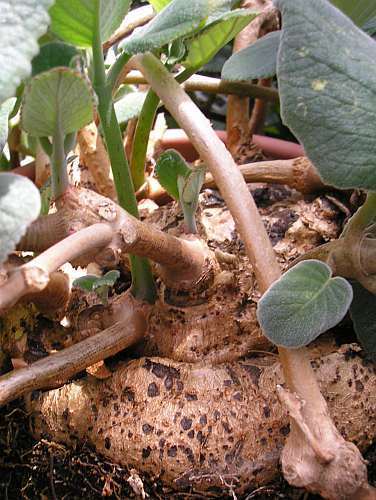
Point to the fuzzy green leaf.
(180, 18)
(203, 47)
(363, 315)
(64, 98)
(129, 106)
(259, 60)
(5, 110)
(22, 23)
(52, 55)
(359, 11)
(19, 206)
(74, 20)
(305, 302)
(328, 95)
(170, 166)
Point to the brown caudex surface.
(202, 426)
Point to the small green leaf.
(170, 166)
(22, 23)
(259, 60)
(86, 283)
(129, 106)
(15, 216)
(328, 96)
(97, 284)
(64, 97)
(5, 110)
(109, 279)
(46, 196)
(203, 47)
(179, 19)
(74, 20)
(363, 315)
(52, 55)
(159, 4)
(359, 11)
(192, 185)
(305, 302)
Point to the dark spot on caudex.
(186, 423)
(202, 458)
(359, 386)
(263, 441)
(285, 430)
(65, 414)
(216, 415)
(34, 395)
(189, 454)
(127, 395)
(266, 411)
(190, 397)
(116, 407)
(226, 427)
(100, 431)
(146, 452)
(191, 434)
(161, 371)
(237, 396)
(107, 443)
(172, 451)
(169, 382)
(179, 385)
(203, 420)
(162, 442)
(349, 382)
(200, 437)
(147, 428)
(227, 383)
(254, 372)
(153, 390)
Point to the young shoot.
(100, 285)
(182, 183)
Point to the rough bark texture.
(202, 426)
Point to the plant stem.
(59, 173)
(302, 456)
(141, 138)
(212, 85)
(143, 286)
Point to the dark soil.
(43, 469)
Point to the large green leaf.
(57, 97)
(305, 302)
(363, 315)
(74, 20)
(259, 60)
(203, 47)
(5, 110)
(22, 23)
(180, 18)
(19, 206)
(53, 55)
(360, 11)
(327, 82)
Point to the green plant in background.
(182, 183)
(100, 285)
(328, 101)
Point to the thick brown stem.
(56, 369)
(308, 470)
(212, 85)
(34, 276)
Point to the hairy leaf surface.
(19, 206)
(129, 106)
(22, 23)
(305, 302)
(259, 60)
(59, 97)
(327, 82)
(5, 110)
(170, 166)
(360, 11)
(74, 20)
